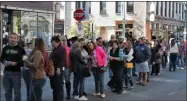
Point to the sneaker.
(83, 98)
(182, 68)
(76, 97)
(103, 96)
(96, 94)
(132, 88)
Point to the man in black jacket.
(11, 57)
(58, 56)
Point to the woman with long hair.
(173, 54)
(98, 61)
(128, 51)
(35, 62)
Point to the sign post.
(78, 16)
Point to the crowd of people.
(122, 58)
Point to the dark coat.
(77, 60)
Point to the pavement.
(167, 86)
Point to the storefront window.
(17, 22)
(35, 25)
(28, 26)
(45, 28)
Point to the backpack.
(48, 65)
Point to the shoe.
(83, 98)
(148, 80)
(68, 98)
(114, 91)
(182, 68)
(132, 88)
(103, 96)
(76, 97)
(125, 87)
(134, 75)
(96, 94)
(85, 94)
(120, 92)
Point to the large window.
(161, 8)
(176, 7)
(173, 11)
(183, 11)
(180, 10)
(57, 10)
(77, 4)
(118, 7)
(169, 8)
(130, 6)
(166, 6)
(157, 7)
(36, 25)
(102, 7)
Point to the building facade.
(169, 19)
(108, 17)
(28, 19)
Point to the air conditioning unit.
(103, 12)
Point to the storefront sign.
(79, 14)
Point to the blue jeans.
(150, 70)
(27, 78)
(12, 80)
(37, 89)
(67, 74)
(78, 83)
(99, 80)
(181, 61)
(110, 72)
(173, 59)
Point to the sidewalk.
(162, 86)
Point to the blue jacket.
(142, 53)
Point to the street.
(167, 86)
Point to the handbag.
(86, 72)
(129, 65)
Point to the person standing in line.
(78, 64)
(35, 63)
(181, 54)
(158, 60)
(111, 83)
(11, 57)
(67, 72)
(128, 52)
(26, 72)
(142, 56)
(58, 56)
(173, 51)
(117, 66)
(98, 61)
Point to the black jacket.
(58, 56)
(13, 54)
(77, 60)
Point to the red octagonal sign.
(79, 14)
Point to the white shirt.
(174, 49)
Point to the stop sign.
(79, 14)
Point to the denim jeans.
(127, 76)
(27, 78)
(110, 72)
(67, 74)
(57, 83)
(99, 80)
(181, 61)
(173, 59)
(37, 89)
(12, 80)
(78, 83)
(150, 70)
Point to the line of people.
(121, 57)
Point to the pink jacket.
(100, 56)
(68, 56)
